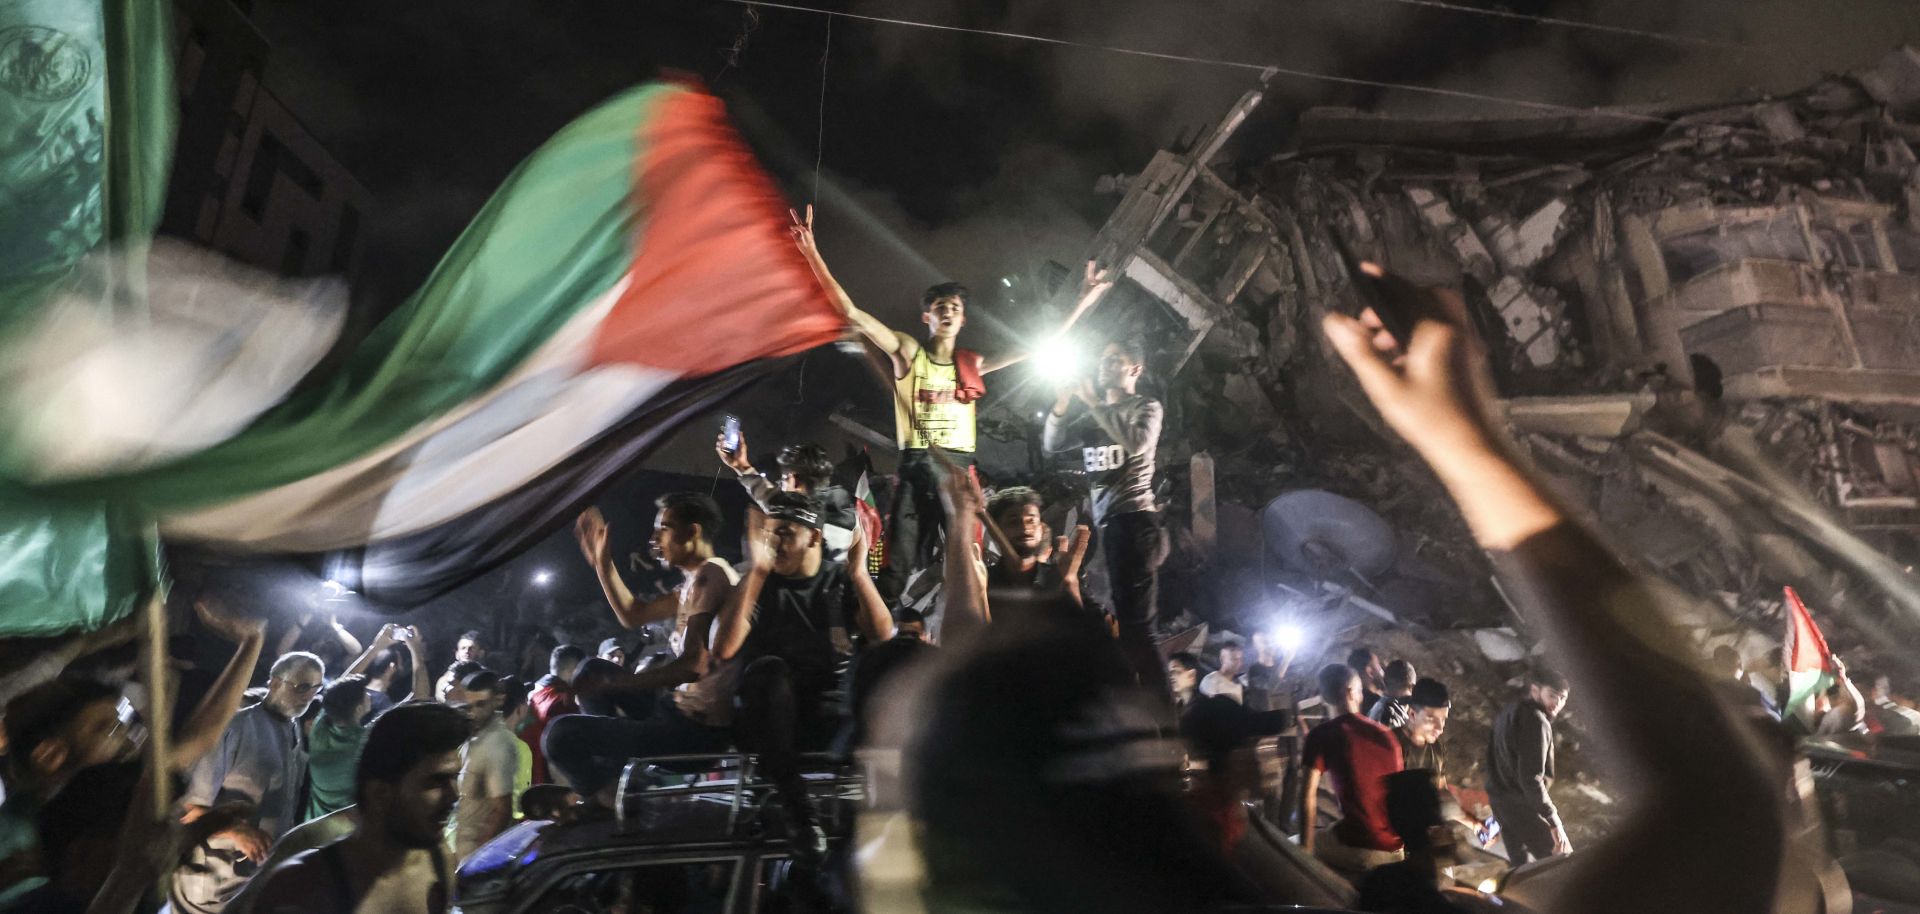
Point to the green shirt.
(332, 753)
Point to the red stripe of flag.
(716, 280)
(1806, 649)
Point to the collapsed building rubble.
(1705, 323)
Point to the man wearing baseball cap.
(791, 621)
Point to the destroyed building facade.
(1705, 322)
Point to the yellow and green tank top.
(937, 417)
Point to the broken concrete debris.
(1705, 323)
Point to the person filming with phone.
(803, 468)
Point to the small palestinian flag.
(1809, 663)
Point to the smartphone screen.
(730, 433)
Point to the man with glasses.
(259, 761)
(1520, 768)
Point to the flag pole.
(159, 702)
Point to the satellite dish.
(1323, 534)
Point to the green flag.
(86, 132)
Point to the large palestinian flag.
(631, 273)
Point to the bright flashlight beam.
(542, 578)
(1289, 637)
(1057, 359)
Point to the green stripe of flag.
(559, 233)
(86, 92)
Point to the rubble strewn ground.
(1705, 323)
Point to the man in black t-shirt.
(792, 620)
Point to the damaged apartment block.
(1705, 324)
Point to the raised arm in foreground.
(631, 612)
(201, 732)
(898, 346)
(965, 575)
(1692, 759)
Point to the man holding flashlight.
(1113, 441)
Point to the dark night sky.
(960, 155)
(949, 155)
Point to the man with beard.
(260, 761)
(406, 786)
(1520, 768)
(1038, 561)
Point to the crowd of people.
(1042, 712)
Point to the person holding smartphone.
(801, 468)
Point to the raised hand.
(959, 494)
(802, 231)
(385, 638)
(858, 549)
(759, 540)
(1096, 277)
(1435, 393)
(735, 459)
(590, 529)
(1069, 557)
(228, 623)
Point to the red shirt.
(548, 702)
(1357, 755)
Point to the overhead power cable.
(1558, 22)
(1264, 69)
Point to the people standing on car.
(792, 620)
(1520, 769)
(1114, 440)
(683, 706)
(406, 785)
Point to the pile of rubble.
(1706, 324)
(1706, 330)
